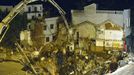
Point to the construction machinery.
(61, 11)
(4, 24)
(72, 62)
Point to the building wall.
(113, 35)
(86, 30)
(25, 38)
(110, 34)
(31, 15)
(32, 7)
(109, 31)
(82, 33)
(100, 34)
(48, 31)
(34, 10)
(97, 16)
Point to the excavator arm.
(61, 11)
(4, 24)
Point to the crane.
(4, 24)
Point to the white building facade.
(50, 29)
(34, 10)
(111, 35)
(90, 13)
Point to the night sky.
(67, 5)
(72, 4)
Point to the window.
(29, 9)
(47, 39)
(33, 17)
(35, 9)
(51, 26)
(77, 36)
(54, 37)
(39, 15)
(40, 8)
(45, 27)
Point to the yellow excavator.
(4, 24)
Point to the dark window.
(47, 39)
(39, 15)
(35, 9)
(51, 26)
(45, 27)
(40, 8)
(33, 17)
(29, 9)
(77, 35)
(54, 37)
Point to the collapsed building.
(109, 36)
(71, 50)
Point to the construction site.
(54, 46)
